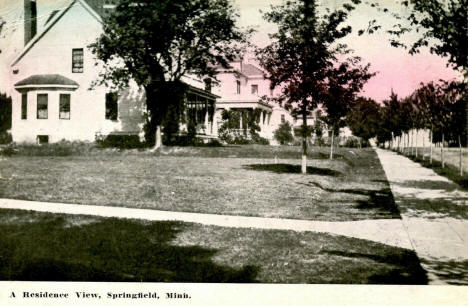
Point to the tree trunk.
(424, 144)
(416, 143)
(155, 93)
(157, 138)
(331, 144)
(442, 151)
(393, 141)
(431, 144)
(461, 155)
(408, 149)
(412, 142)
(399, 141)
(304, 142)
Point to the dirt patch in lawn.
(353, 187)
(55, 247)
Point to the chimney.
(30, 20)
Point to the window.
(238, 87)
(282, 119)
(111, 106)
(41, 139)
(42, 107)
(64, 106)
(24, 106)
(254, 89)
(77, 60)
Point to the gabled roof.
(46, 80)
(53, 20)
(250, 70)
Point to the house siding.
(52, 54)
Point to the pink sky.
(396, 68)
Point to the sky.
(396, 69)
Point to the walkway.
(433, 212)
(387, 231)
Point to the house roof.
(249, 70)
(46, 80)
(50, 23)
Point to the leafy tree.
(343, 83)
(283, 134)
(363, 118)
(156, 43)
(302, 50)
(442, 26)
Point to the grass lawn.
(451, 156)
(351, 187)
(53, 247)
(450, 171)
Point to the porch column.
(206, 117)
(240, 120)
(261, 120)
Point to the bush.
(8, 150)
(5, 138)
(62, 148)
(353, 142)
(120, 141)
(260, 140)
(283, 134)
(211, 143)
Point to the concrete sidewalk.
(386, 231)
(429, 204)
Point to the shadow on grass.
(449, 171)
(407, 267)
(288, 168)
(429, 184)
(107, 250)
(452, 272)
(435, 208)
(378, 199)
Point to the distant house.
(243, 86)
(52, 77)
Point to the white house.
(244, 86)
(52, 77)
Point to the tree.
(343, 82)
(300, 53)
(363, 118)
(428, 97)
(283, 134)
(156, 43)
(443, 28)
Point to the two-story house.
(244, 86)
(53, 97)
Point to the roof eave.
(46, 86)
(51, 23)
